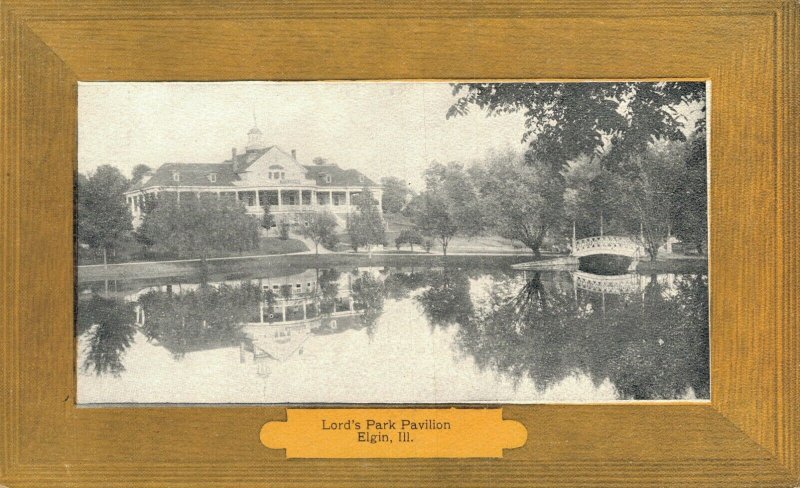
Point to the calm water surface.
(395, 335)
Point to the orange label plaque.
(394, 433)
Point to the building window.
(212, 177)
(327, 178)
(361, 178)
(176, 176)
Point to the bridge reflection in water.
(520, 333)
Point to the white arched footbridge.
(617, 245)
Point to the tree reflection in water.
(652, 345)
(447, 299)
(205, 318)
(109, 327)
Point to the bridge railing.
(625, 244)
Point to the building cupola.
(255, 140)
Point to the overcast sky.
(381, 129)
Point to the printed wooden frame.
(749, 435)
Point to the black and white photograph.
(346, 242)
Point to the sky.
(378, 128)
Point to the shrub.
(283, 228)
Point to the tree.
(365, 225)
(616, 120)
(199, 227)
(395, 194)
(524, 202)
(103, 216)
(410, 237)
(320, 228)
(357, 239)
(449, 206)
(139, 172)
(267, 220)
(689, 211)
(649, 194)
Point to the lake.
(395, 335)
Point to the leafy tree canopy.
(396, 193)
(199, 227)
(565, 120)
(365, 225)
(524, 201)
(103, 216)
(320, 229)
(449, 205)
(138, 173)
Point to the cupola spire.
(255, 139)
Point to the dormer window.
(212, 177)
(176, 176)
(276, 172)
(361, 178)
(326, 177)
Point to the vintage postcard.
(391, 242)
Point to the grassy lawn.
(130, 251)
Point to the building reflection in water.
(646, 335)
(268, 317)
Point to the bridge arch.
(616, 245)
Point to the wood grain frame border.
(748, 436)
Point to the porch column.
(347, 198)
(261, 311)
(304, 310)
(283, 313)
(351, 304)
(330, 195)
(280, 203)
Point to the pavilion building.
(262, 174)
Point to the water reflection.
(648, 340)
(107, 326)
(497, 335)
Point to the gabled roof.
(196, 174)
(339, 176)
(246, 159)
(191, 174)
